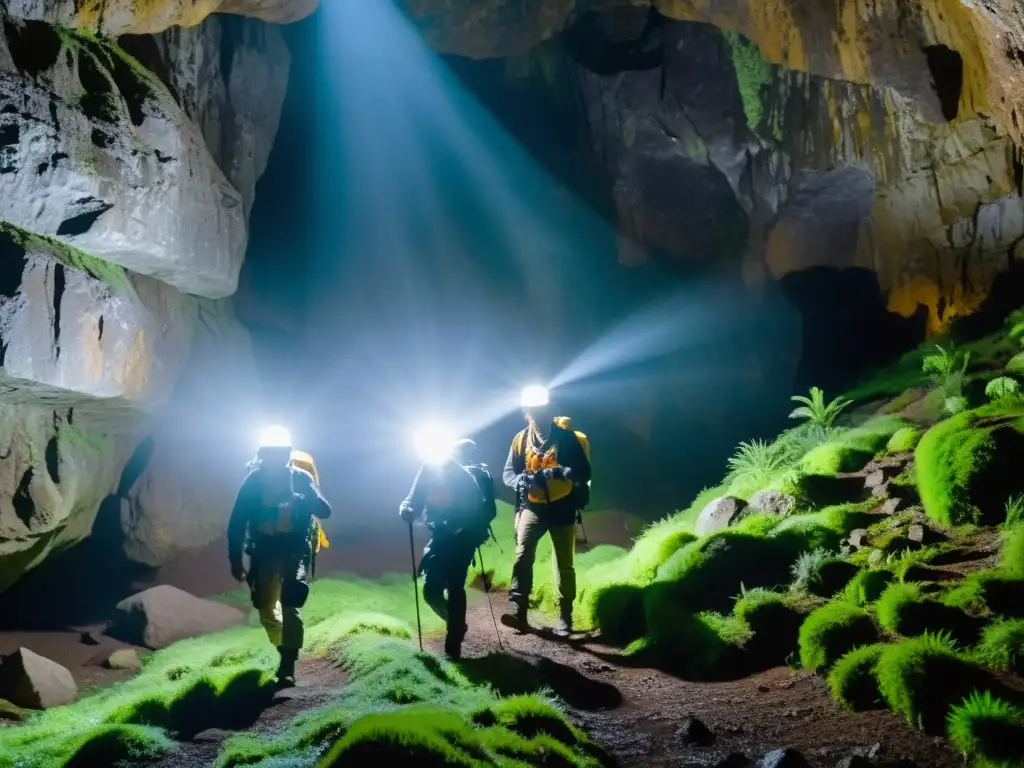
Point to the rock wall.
(127, 170)
(851, 136)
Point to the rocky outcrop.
(97, 153)
(163, 615)
(31, 681)
(118, 200)
(973, 48)
(115, 17)
(230, 76)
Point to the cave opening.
(947, 70)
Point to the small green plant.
(988, 729)
(832, 631)
(947, 368)
(852, 680)
(807, 568)
(903, 440)
(955, 404)
(1015, 510)
(1001, 388)
(1002, 646)
(816, 411)
(756, 463)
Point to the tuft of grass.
(758, 464)
(1002, 646)
(947, 368)
(807, 568)
(920, 678)
(867, 586)
(1014, 510)
(852, 679)
(903, 440)
(988, 729)
(1011, 556)
(832, 631)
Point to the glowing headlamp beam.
(275, 436)
(434, 443)
(534, 396)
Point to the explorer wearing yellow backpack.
(276, 522)
(548, 467)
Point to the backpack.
(318, 539)
(581, 493)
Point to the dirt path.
(774, 709)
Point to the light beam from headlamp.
(434, 443)
(534, 396)
(275, 436)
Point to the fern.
(807, 568)
(1014, 510)
(816, 411)
(955, 404)
(1001, 388)
(947, 368)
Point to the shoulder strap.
(519, 452)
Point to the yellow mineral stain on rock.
(135, 374)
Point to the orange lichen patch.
(943, 304)
(135, 374)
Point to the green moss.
(832, 631)
(989, 730)
(905, 610)
(922, 677)
(866, 587)
(852, 679)
(895, 379)
(827, 527)
(774, 619)
(753, 73)
(111, 274)
(1011, 556)
(1002, 646)
(963, 465)
(849, 450)
(902, 440)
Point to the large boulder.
(114, 17)
(163, 615)
(719, 515)
(95, 151)
(31, 681)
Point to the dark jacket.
(250, 510)
(569, 453)
(454, 495)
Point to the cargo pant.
(445, 567)
(279, 589)
(530, 529)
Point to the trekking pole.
(579, 519)
(487, 591)
(415, 586)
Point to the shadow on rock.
(522, 673)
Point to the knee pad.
(294, 593)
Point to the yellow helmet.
(302, 460)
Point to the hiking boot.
(516, 618)
(563, 627)
(286, 669)
(453, 643)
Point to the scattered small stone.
(31, 681)
(854, 761)
(87, 638)
(787, 684)
(124, 659)
(763, 688)
(916, 533)
(773, 503)
(859, 538)
(892, 505)
(783, 758)
(875, 750)
(880, 491)
(875, 479)
(694, 733)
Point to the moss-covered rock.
(832, 631)
(966, 465)
(852, 680)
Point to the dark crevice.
(34, 46)
(53, 460)
(947, 68)
(589, 44)
(12, 264)
(232, 32)
(136, 465)
(82, 223)
(133, 87)
(59, 284)
(98, 101)
(22, 502)
(101, 139)
(10, 135)
(143, 49)
(99, 337)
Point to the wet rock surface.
(162, 615)
(31, 681)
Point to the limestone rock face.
(116, 17)
(95, 151)
(230, 75)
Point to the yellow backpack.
(519, 449)
(302, 460)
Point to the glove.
(238, 572)
(407, 512)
